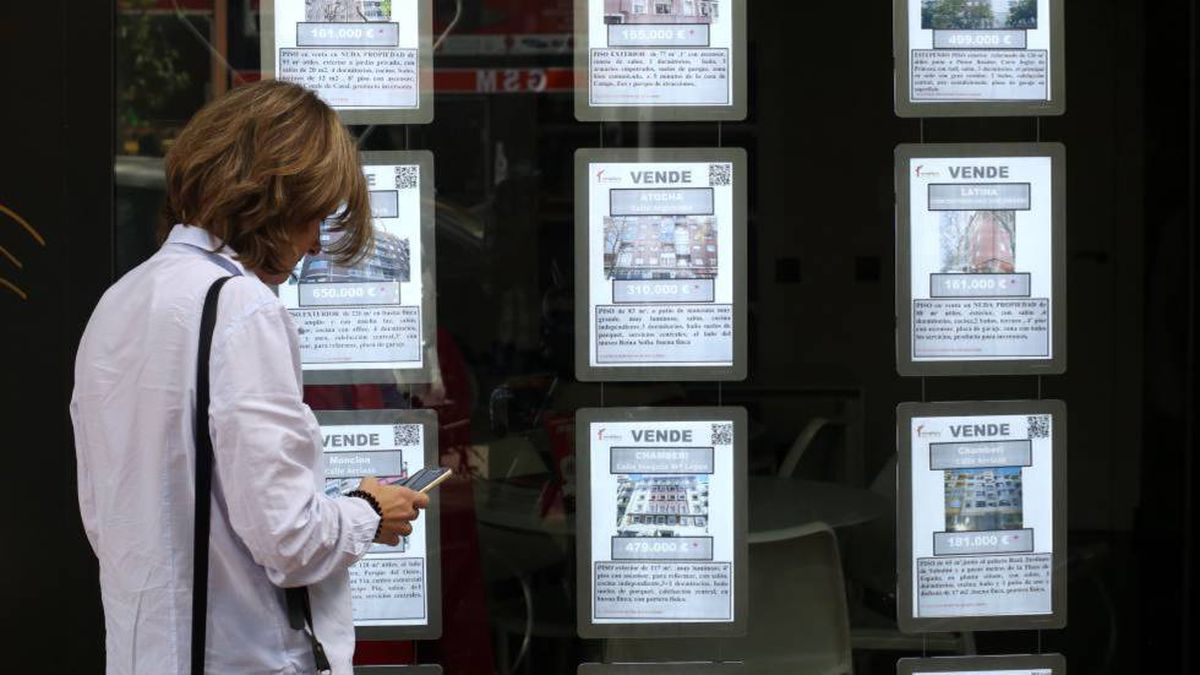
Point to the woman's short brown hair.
(261, 161)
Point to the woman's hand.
(400, 507)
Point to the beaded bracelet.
(366, 496)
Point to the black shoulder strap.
(204, 468)
(299, 609)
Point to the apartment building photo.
(660, 11)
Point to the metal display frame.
(428, 420)
(680, 668)
(906, 107)
(586, 372)
(584, 419)
(906, 365)
(982, 664)
(1057, 618)
(427, 270)
(422, 114)
(735, 111)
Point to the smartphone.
(427, 479)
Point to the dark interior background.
(820, 136)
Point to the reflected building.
(388, 261)
(660, 11)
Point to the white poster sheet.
(982, 506)
(985, 57)
(982, 252)
(666, 59)
(664, 273)
(1039, 664)
(666, 513)
(368, 59)
(373, 321)
(392, 588)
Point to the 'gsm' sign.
(510, 80)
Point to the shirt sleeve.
(87, 505)
(267, 448)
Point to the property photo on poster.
(664, 509)
(981, 501)
(371, 60)
(372, 321)
(668, 59)
(661, 234)
(979, 287)
(979, 57)
(393, 588)
(979, 14)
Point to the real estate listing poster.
(661, 522)
(371, 60)
(696, 668)
(980, 267)
(1040, 664)
(395, 590)
(374, 321)
(660, 264)
(660, 59)
(979, 57)
(982, 535)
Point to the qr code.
(1039, 426)
(720, 174)
(406, 434)
(407, 176)
(722, 434)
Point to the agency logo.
(6, 256)
(603, 434)
(605, 178)
(923, 432)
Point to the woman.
(248, 183)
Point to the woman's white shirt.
(272, 524)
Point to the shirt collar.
(189, 235)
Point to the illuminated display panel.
(979, 57)
(681, 60)
(374, 322)
(982, 517)
(980, 285)
(395, 590)
(660, 264)
(662, 505)
(371, 60)
(1040, 664)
